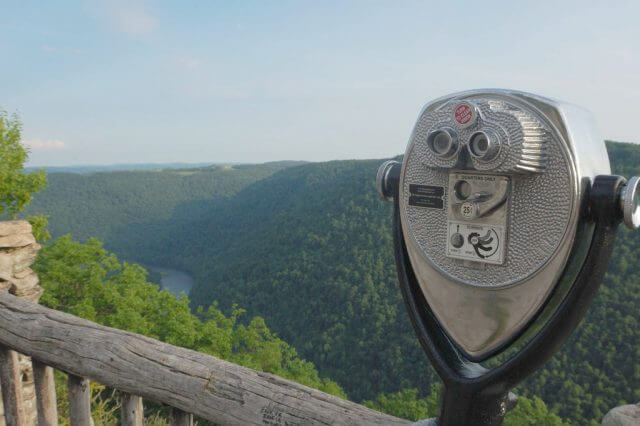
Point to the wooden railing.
(191, 382)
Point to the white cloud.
(135, 22)
(128, 17)
(44, 144)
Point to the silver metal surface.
(381, 179)
(549, 153)
(630, 203)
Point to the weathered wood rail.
(191, 382)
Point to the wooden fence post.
(45, 394)
(180, 418)
(132, 411)
(11, 383)
(79, 401)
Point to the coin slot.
(462, 190)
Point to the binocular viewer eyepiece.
(503, 201)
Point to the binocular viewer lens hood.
(505, 215)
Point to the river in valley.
(173, 280)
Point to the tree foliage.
(87, 281)
(532, 412)
(124, 208)
(408, 404)
(16, 187)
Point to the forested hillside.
(103, 204)
(309, 249)
(87, 281)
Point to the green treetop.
(16, 187)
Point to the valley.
(308, 248)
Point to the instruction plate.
(480, 243)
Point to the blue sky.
(252, 81)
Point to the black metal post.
(462, 407)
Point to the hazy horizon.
(154, 163)
(216, 162)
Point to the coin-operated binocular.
(505, 219)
